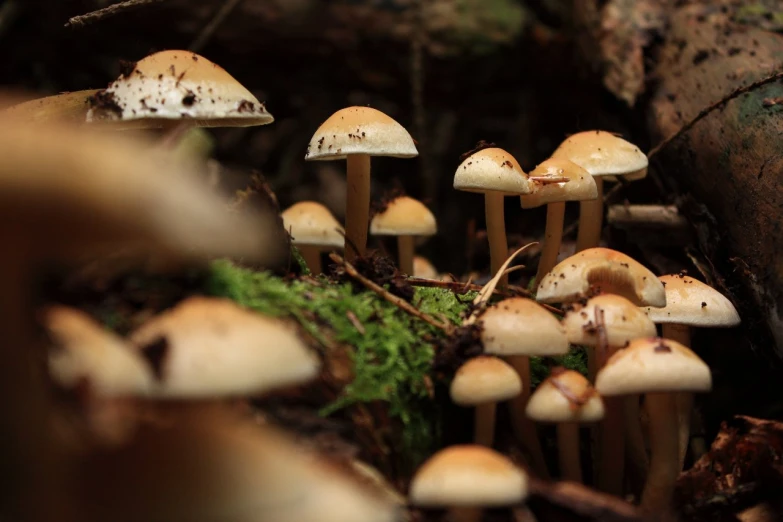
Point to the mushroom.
(405, 218)
(483, 382)
(70, 107)
(604, 270)
(623, 322)
(312, 228)
(496, 174)
(602, 154)
(656, 367)
(207, 347)
(515, 329)
(690, 303)
(467, 478)
(176, 90)
(566, 398)
(355, 134)
(423, 269)
(578, 186)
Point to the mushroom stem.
(405, 254)
(357, 205)
(464, 514)
(568, 451)
(682, 334)
(173, 133)
(524, 428)
(553, 237)
(312, 256)
(611, 473)
(636, 449)
(591, 215)
(496, 232)
(484, 428)
(664, 443)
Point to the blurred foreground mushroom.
(69, 107)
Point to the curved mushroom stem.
(682, 334)
(464, 514)
(635, 448)
(524, 428)
(357, 205)
(568, 451)
(664, 443)
(312, 256)
(496, 232)
(553, 237)
(405, 254)
(484, 428)
(591, 216)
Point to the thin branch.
(714, 106)
(393, 299)
(220, 16)
(95, 16)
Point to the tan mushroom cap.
(565, 396)
(602, 153)
(579, 187)
(404, 216)
(624, 321)
(520, 326)
(484, 379)
(693, 303)
(360, 130)
(492, 170)
(653, 364)
(423, 269)
(311, 223)
(83, 349)
(468, 475)
(610, 270)
(212, 347)
(66, 107)
(173, 85)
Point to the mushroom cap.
(602, 153)
(623, 320)
(484, 379)
(65, 107)
(652, 364)
(207, 347)
(693, 303)
(492, 170)
(579, 187)
(360, 130)
(83, 349)
(311, 223)
(74, 191)
(565, 396)
(423, 269)
(468, 475)
(172, 85)
(520, 326)
(404, 216)
(612, 271)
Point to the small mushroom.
(312, 228)
(405, 218)
(424, 269)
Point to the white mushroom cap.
(360, 130)
(468, 476)
(565, 396)
(83, 349)
(611, 271)
(653, 364)
(579, 187)
(423, 269)
(623, 321)
(484, 379)
(492, 170)
(207, 347)
(602, 153)
(311, 223)
(172, 85)
(693, 303)
(520, 326)
(404, 216)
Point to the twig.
(651, 216)
(95, 16)
(710, 108)
(355, 322)
(217, 19)
(393, 299)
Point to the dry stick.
(217, 19)
(95, 16)
(393, 299)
